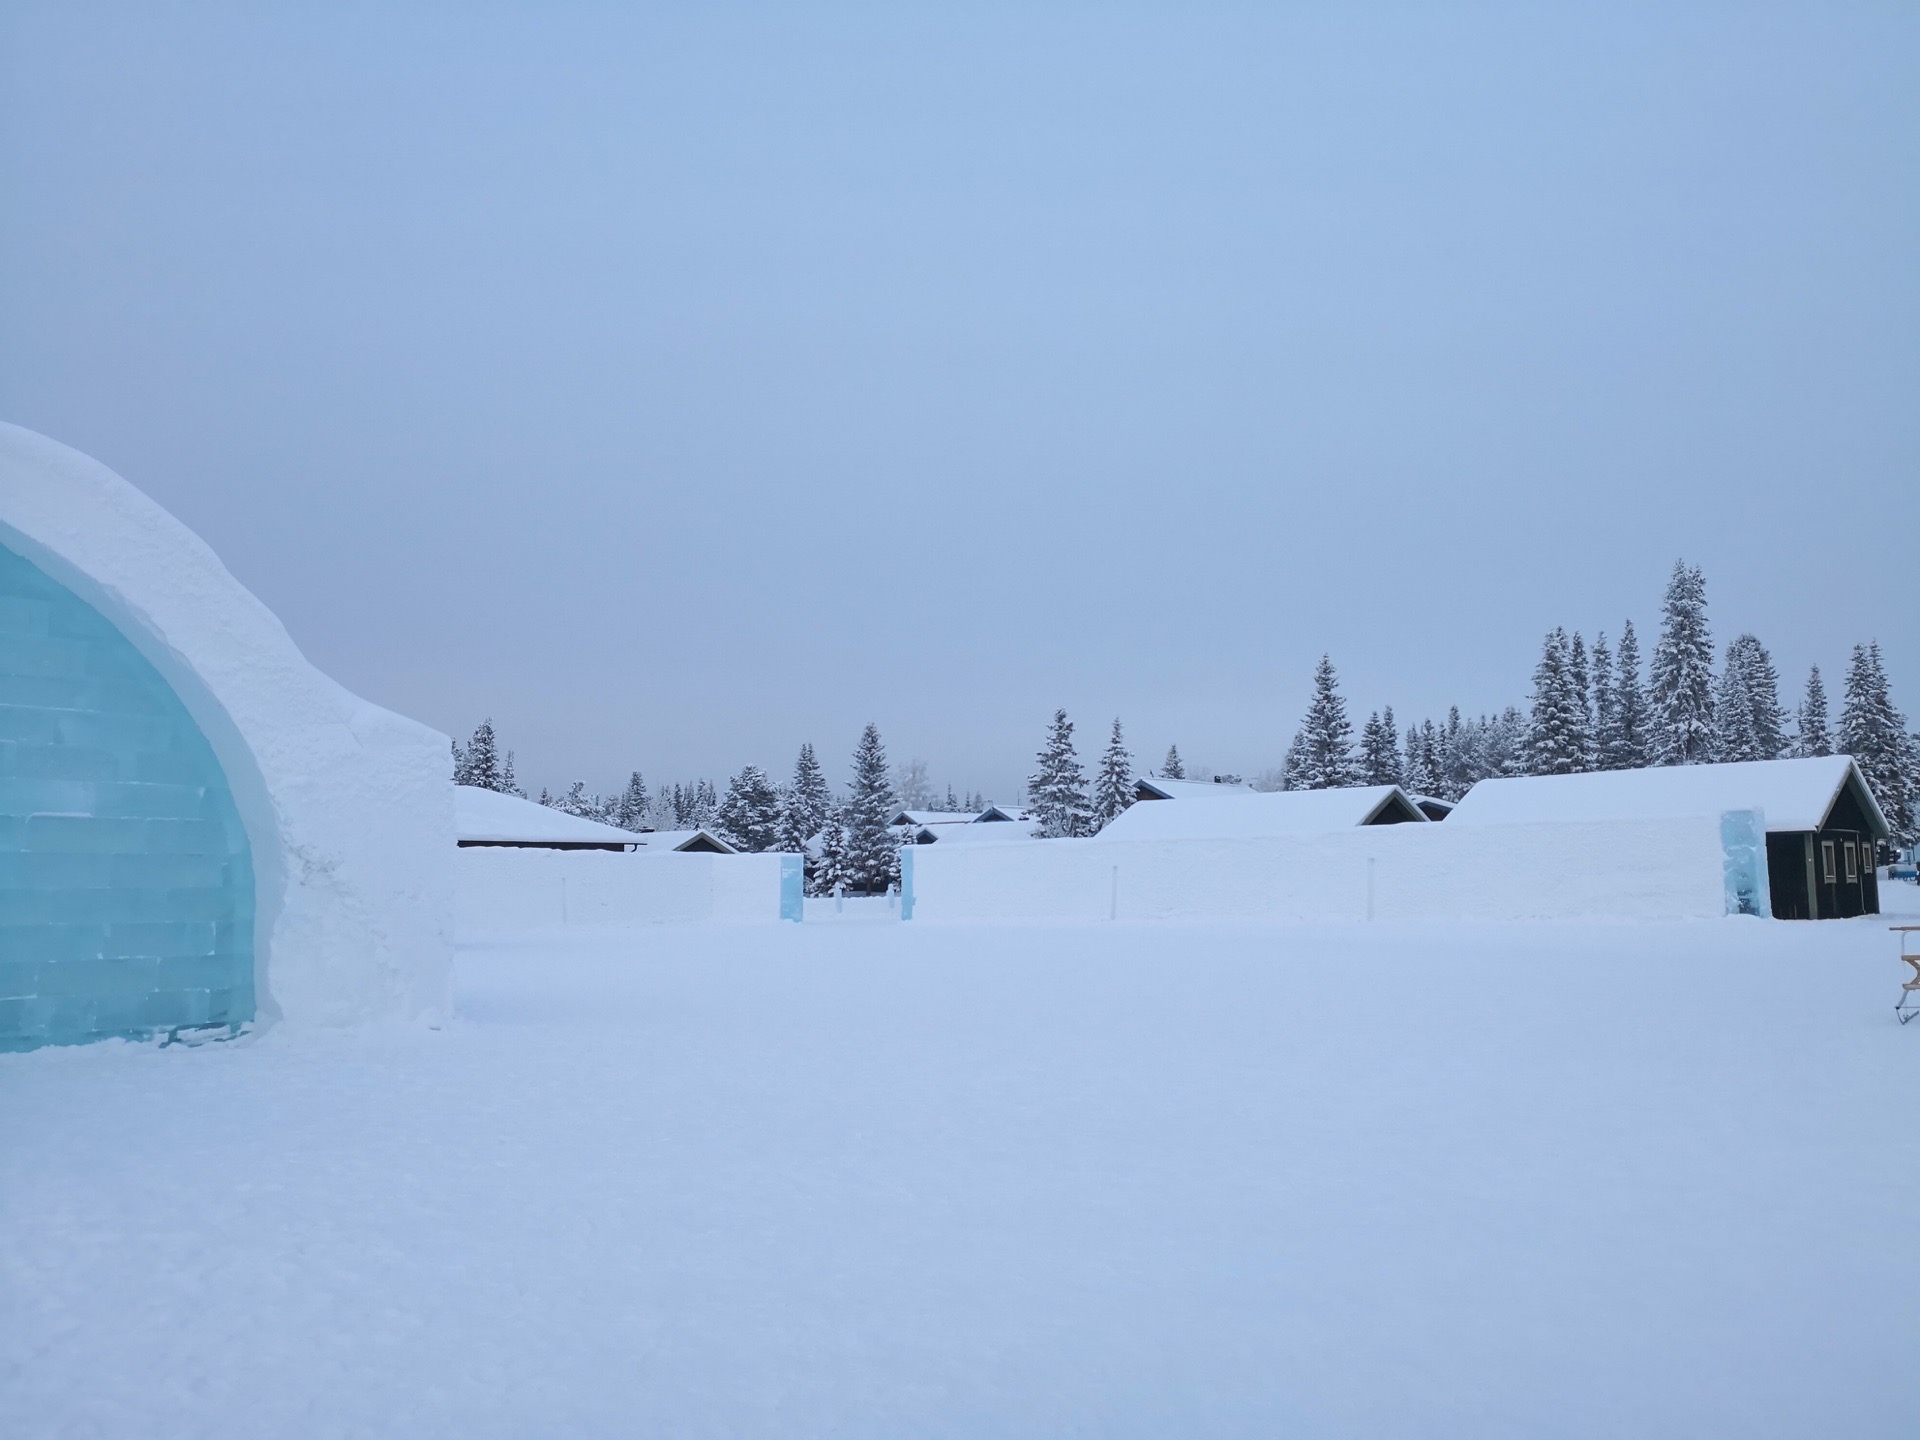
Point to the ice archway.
(310, 833)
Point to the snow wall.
(1628, 870)
(347, 808)
(506, 888)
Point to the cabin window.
(1853, 868)
(1826, 861)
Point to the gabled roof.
(1791, 794)
(488, 817)
(997, 814)
(654, 842)
(954, 835)
(931, 817)
(1253, 814)
(1155, 787)
(1432, 806)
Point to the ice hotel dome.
(199, 831)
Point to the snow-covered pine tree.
(1554, 743)
(1582, 686)
(630, 810)
(1113, 783)
(808, 802)
(1057, 790)
(1749, 679)
(873, 850)
(1380, 761)
(1419, 772)
(706, 806)
(1875, 734)
(483, 761)
(508, 785)
(1505, 746)
(1632, 718)
(1682, 672)
(749, 816)
(951, 804)
(1173, 768)
(1812, 736)
(459, 764)
(827, 867)
(1325, 760)
(577, 802)
(1733, 713)
(1458, 767)
(1606, 720)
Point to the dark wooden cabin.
(1827, 873)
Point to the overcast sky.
(674, 390)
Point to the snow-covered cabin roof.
(487, 817)
(995, 834)
(931, 817)
(997, 814)
(1252, 814)
(1432, 806)
(1791, 794)
(1154, 787)
(653, 842)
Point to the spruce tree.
(826, 871)
(1113, 784)
(1057, 790)
(1380, 761)
(1325, 759)
(706, 806)
(912, 789)
(749, 816)
(1633, 725)
(577, 802)
(807, 804)
(1172, 768)
(459, 765)
(1734, 739)
(1421, 778)
(1749, 681)
(1580, 682)
(1875, 734)
(630, 810)
(872, 849)
(1682, 672)
(1554, 744)
(483, 767)
(1813, 737)
(1606, 718)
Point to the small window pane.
(1826, 861)
(1853, 867)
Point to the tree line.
(1590, 708)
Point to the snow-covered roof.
(994, 834)
(655, 841)
(1154, 787)
(1432, 806)
(489, 817)
(1791, 794)
(999, 814)
(1251, 814)
(931, 817)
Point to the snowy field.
(866, 1179)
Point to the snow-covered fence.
(505, 888)
(1630, 869)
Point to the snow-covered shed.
(198, 830)
(1432, 806)
(913, 819)
(1155, 787)
(1250, 814)
(1821, 820)
(1001, 814)
(489, 817)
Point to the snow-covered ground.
(875, 1179)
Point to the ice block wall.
(126, 886)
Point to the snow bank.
(1641, 870)
(517, 890)
(348, 808)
